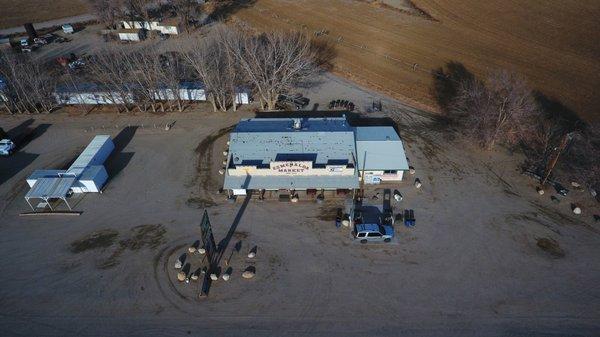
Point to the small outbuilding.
(380, 154)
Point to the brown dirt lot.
(17, 12)
(553, 43)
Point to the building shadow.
(119, 159)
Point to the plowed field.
(554, 44)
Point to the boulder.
(181, 276)
(214, 276)
(345, 222)
(192, 249)
(202, 251)
(411, 170)
(225, 153)
(251, 255)
(250, 272)
(417, 183)
(221, 171)
(575, 184)
(577, 210)
(540, 191)
(178, 264)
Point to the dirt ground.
(473, 265)
(18, 12)
(552, 43)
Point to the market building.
(313, 156)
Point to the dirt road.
(471, 265)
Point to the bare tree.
(139, 8)
(502, 109)
(273, 63)
(108, 70)
(107, 11)
(211, 64)
(581, 161)
(186, 10)
(29, 85)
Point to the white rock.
(540, 191)
(593, 193)
(251, 255)
(178, 264)
(228, 142)
(398, 197)
(194, 277)
(225, 153)
(248, 274)
(345, 223)
(214, 276)
(417, 184)
(192, 249)
(226, 277)
(577, 210)
(294, 199)
(411, 170)
(181, 276)
(202, 251)
(221, 171)
(224, 162)
(575, 184)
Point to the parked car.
(373, 233)
(24, 42)
(297, 100)
(40, 41)
(61, 39)
(68, 29)
(6, 147)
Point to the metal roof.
(50, 188)
(320, 140)
(380, 148)
(376, 133)
(91, 155)
(291, 182)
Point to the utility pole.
(557, 152)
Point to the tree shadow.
(447, 81)
(226, 8)
(118, 160)
(325, 52)
(555, 110)
(21, 135)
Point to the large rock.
(577, 210)
(250, 272)
(214, 276)
(181, 276)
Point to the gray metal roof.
(49, 188)
(91, 155)
(291, 182)
(381, 149)
(320, 140)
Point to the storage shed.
(86, 174)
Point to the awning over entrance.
(50, 188)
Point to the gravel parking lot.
(471, 266)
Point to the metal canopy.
(50, 188)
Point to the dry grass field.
(17, 12)
(553, 43)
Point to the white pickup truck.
(6, 147)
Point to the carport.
(47, 189)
